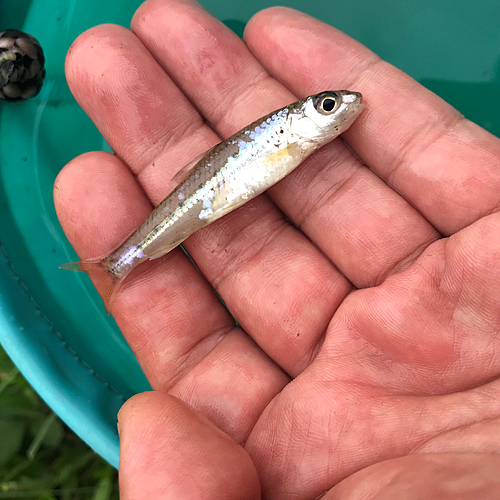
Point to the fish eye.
(328, 104)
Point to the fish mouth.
(353, 101)
(354, 111)
(350, 97)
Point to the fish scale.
(227, 176)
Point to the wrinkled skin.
(372, 281)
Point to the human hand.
(380, 299)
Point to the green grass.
(40, 457)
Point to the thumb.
(168, 451)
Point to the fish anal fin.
(164, 250)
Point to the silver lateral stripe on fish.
(227, 176)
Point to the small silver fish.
(227, 176)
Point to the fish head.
(322, 117)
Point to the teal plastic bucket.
(52, 323)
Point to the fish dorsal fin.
(184, 171)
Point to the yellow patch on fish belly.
(236, 194)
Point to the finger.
(438, 476)
(167, 451)
(268, 273)
(437, 322)
(444, 165)
(167, 312)
(361, 224)
(401, 364)
(356, 424)
(480, 437)
(126, 94)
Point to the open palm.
(366, 285)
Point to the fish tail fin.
(106, 284)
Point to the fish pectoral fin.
(184, 171)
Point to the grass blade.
(38, 440)
(103, 490)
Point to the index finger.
(443, 164)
